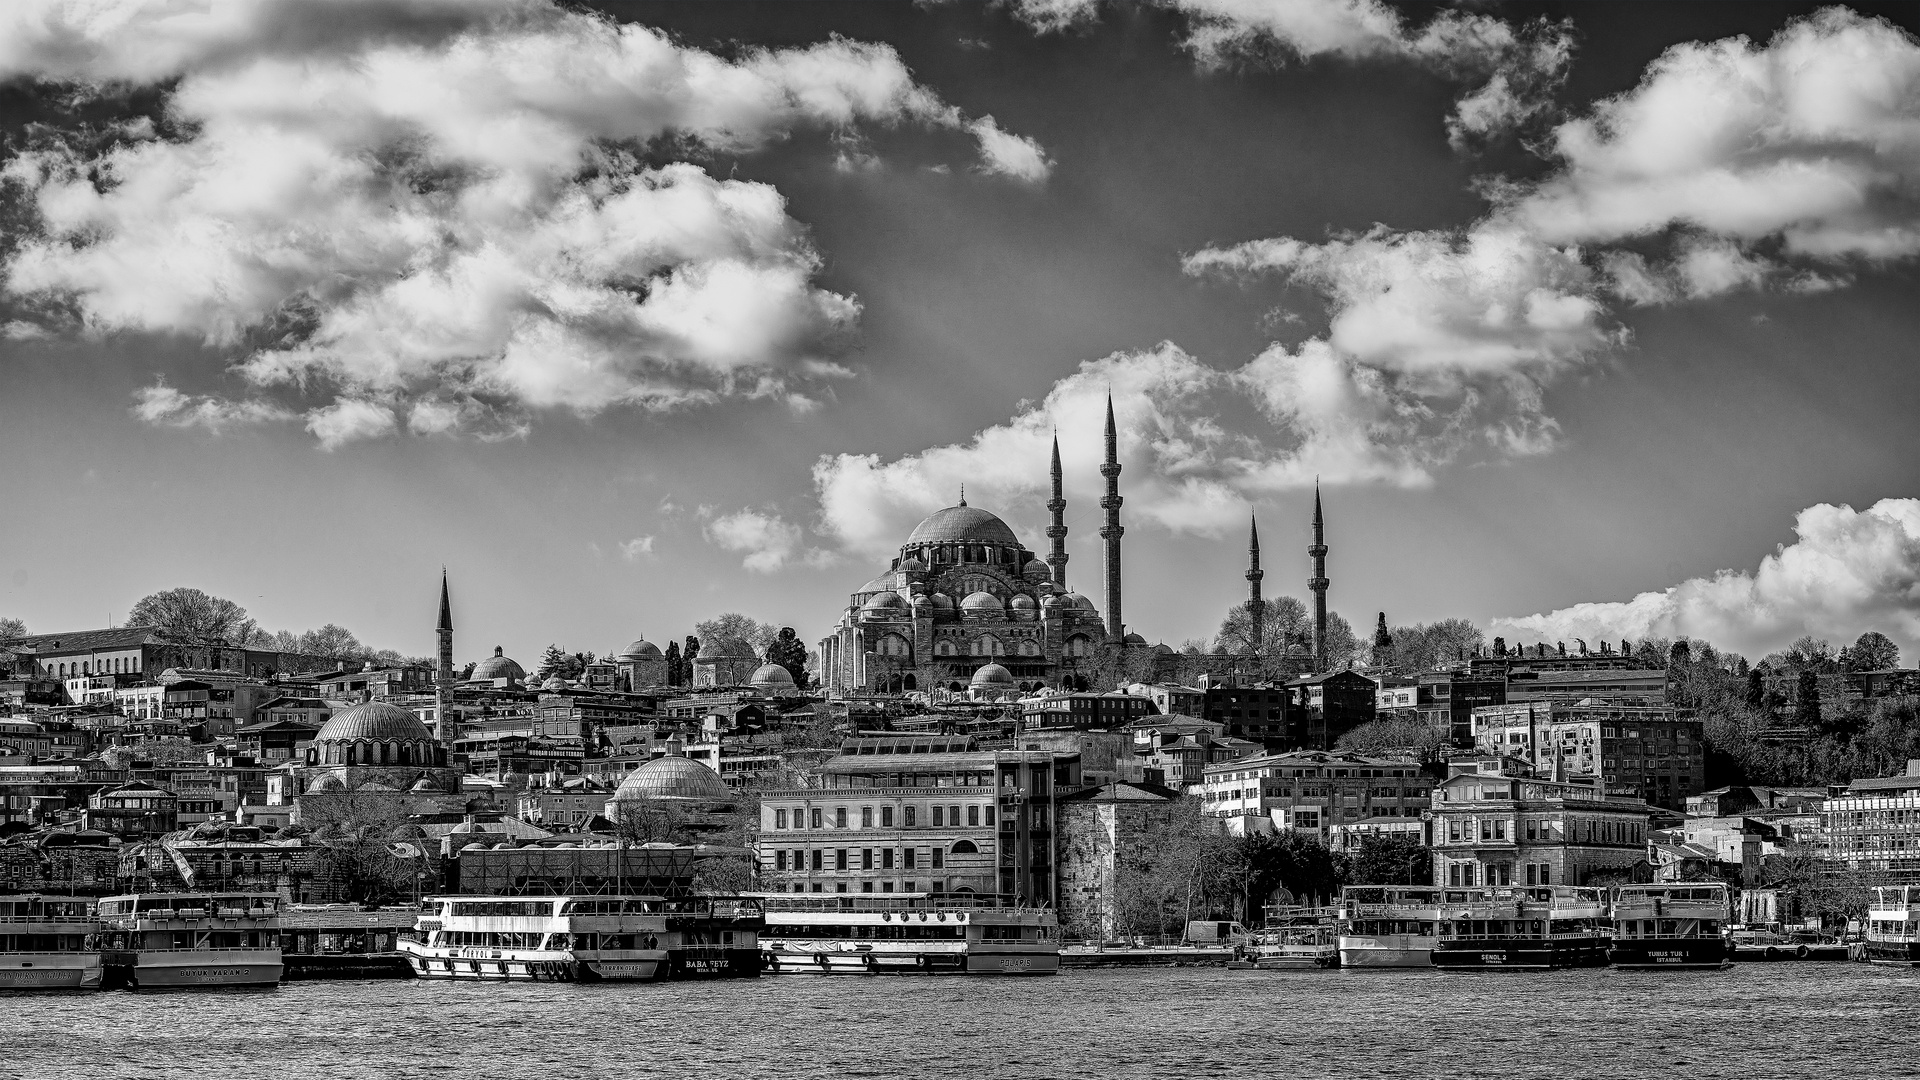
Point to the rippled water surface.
(1766, 1020)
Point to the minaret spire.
(1256, 604)
(443, 679)
(1057, 532)
(1318, 583)
(1111, 531)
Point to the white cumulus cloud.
(1848, 572)
(165, 406)
(441, 206)
(635, 549)
(768, 541)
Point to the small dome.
(1049, 601)
(422, 784)
(641, 649)
(922, 600)
(327, 785)
(1035, 570)
(963, 523)
(981, 601)
(942, 602)
(673, 778)
(1022, 602)
(883, 601)
(554, 682)
(773, 677)
(498, 666)
(1134, 639)
(1080, 601)
(728, 649)
(373, 721)
(883, 583)
(912, 565)
(992, 677)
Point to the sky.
(1590, 320)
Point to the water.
(1773, 1020)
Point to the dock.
(1080, 956)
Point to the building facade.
(1314, 790)
(1491, 829)
(1657, 752)
(1875, 825)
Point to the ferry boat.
(907, 933)
(1294, 938)
(190, 939)
(1522, 928)
(1892, 917)
(1388, 926)
(586, 938)
(47, 943)
(1674, 925)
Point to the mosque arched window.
(944, 648)
(894, 645)
(1079, 645)
(1029, 647)
(988, 645)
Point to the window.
(840, 817)
(818, 858)
(939, 858)
(906, 816)
(780, 860)
(989, 814)
(906, 861)
(937, 815)
(866, 817)
(816, 817)
(1531, 872)
(866, 858)
(866, 886)
(973, 815)
(966, 847)
(1453, 831)
(886, 817)
(840, 859)
(1545, 876)
(779, 819)
(1453, 873)
(886, 858)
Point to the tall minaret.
(1256, 605)
(443, 679)
(1057, 532)
(1318, 583)
(1110, 532)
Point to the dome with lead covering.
(641, 649)
(981, 601)
(962, 524)
(498, 666)
(673, 778)
(774, 679)
(373, 721)
(992, 677)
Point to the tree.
(1872, 651)
(12, 628)
(1425, 646)
(553, 661)
(735, 625)
(675, 676)
(1807, 709)
(1390, 859)
(1395, 735)
(1756, 689)
(650, 821)
(352, 834)
(1499, 646)
(789, 652)
(190, 615)
(330, 640)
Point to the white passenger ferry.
(191, 939)
(1294, 938)
(1893, 915)
(907, 933)
(46, 943)
(1671, 925)
(586, 938)
(1522, 928)
(1388, 926)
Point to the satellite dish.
(403, 850)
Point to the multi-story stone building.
(1086, 711)
(1875, 824)
(1446, 699)
(919, 813)
(1656, 751)
(1321, 708)
(1624, 686)
(1257, 712)
(1491, 829)
(1101, 830)
(1313, 790)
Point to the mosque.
(967, 606)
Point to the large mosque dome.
(773, 679)
(991, 678)
(673, 778)
(373, 721)
(962, 524)
(498, 666)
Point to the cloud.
(632, 550)
(1015, 156)
(1522, 65)
(768, 541)
(1849, 572)
(350, 420)
(165, 406)
(442, 206)
(1811, 141)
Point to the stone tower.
(1111, 531)
(1057, 532)
(1256, 604)
(445, 633)
(1318, 583)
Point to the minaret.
(1318, 583)
(1057, 532)
(1256, 606)
(1110, 532)
(443, 729)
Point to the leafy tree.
(1807, 709)
(675, 676)
(12, 628)
(650, 821)
(553, 661)
(789, 652)
(687, 653)
(1425, 646)
(190, 615)
(1395, 735)
(1499, 646)
(1872, 651)
(1756, 689)
(331, 640)
(735, 625)
(351, 834)
(1390, 859)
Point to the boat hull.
(1394, 951)
(1904, 953)
(546, 965)
(194, 968)
(783, 961)
(50, 971)
(1520, 954)
(1671, 953)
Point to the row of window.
(1469, 830)
(817, 859)
(1491, 875)
(949, 816)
